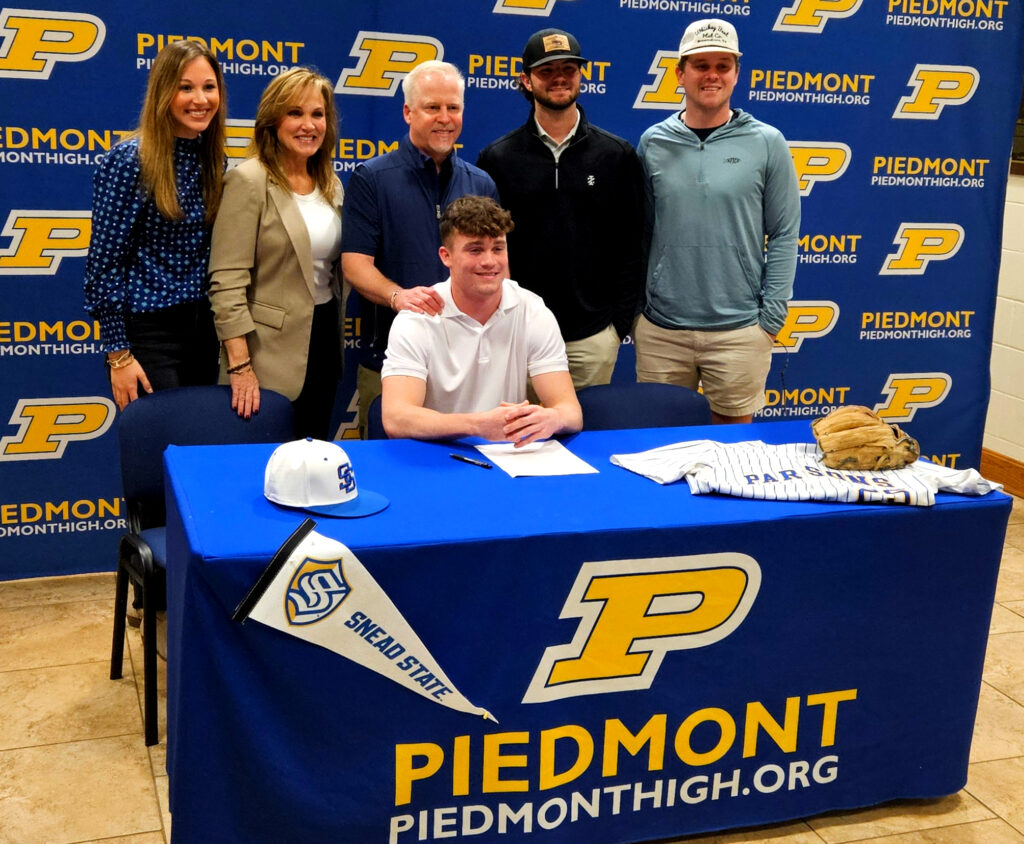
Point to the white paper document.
(549, 457)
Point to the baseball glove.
(854, 437)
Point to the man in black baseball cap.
(575, 192)
(550, 45)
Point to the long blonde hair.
(157, 125)
(278, 96)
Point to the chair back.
(642, 405)
(186, 416)
(374, 423)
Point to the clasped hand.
(520, 423)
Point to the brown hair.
(157, 126)
(475, 216)
(282, 93)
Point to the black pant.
(315, 403)
(176, 346)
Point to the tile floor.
(74, 768)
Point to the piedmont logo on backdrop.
(523, 7)
(697, 8)
(33, 338)
(805, 320)
(34, 41)
(916, 325)
(634, 612)
(50, 145)
(802, 401)
(936, 86)
(40, 240)
(384, 60)
(48, 425)
(818, 161)
(921, 243)
(237, 135)
(830, 248)
(240, 56)
(916, 171)
(811, 88)
(664, 92)
(908, 392)
(810, 16)
(502, 72)
(977, 15)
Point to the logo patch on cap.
(555, 42)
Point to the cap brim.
(365, 504)
(549, 59)
(715, 49)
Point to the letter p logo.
(48, 425)
(384, 60)
(41, 239)
(935, 87)
(805, 319)
(523, 7)
(633, 612)
(818, 161)
(812, 15)
(34, 41)
(919, 244)
(909, 391)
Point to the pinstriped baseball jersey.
(793, 472)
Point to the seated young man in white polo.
(463, 372)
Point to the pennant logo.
(300, 593)
(316, 590)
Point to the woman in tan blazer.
(274, 272)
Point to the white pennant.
(323, 594)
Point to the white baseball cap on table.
(317, 476)
(710, 35)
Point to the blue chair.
(181, 416)
(374, 423)
(646, 405)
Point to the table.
(851, 678)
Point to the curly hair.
(474, 216)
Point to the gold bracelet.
(391, 303)
(122, 362)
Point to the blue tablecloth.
(852, 679)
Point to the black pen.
(464, 459)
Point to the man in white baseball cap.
(716, 296)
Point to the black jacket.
(578, 224)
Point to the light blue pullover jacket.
(714, 204)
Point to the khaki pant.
(730, 366)
(592, 359)
(368, 387)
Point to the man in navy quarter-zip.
(575, 194)
(719, 186)
(389, 235)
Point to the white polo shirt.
(471, 367)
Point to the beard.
(555, 105)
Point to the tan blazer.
(261, 277)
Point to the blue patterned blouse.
(139, 261)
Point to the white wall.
(1004, 428)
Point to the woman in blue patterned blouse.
(154, 199)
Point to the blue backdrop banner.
(899, 116)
